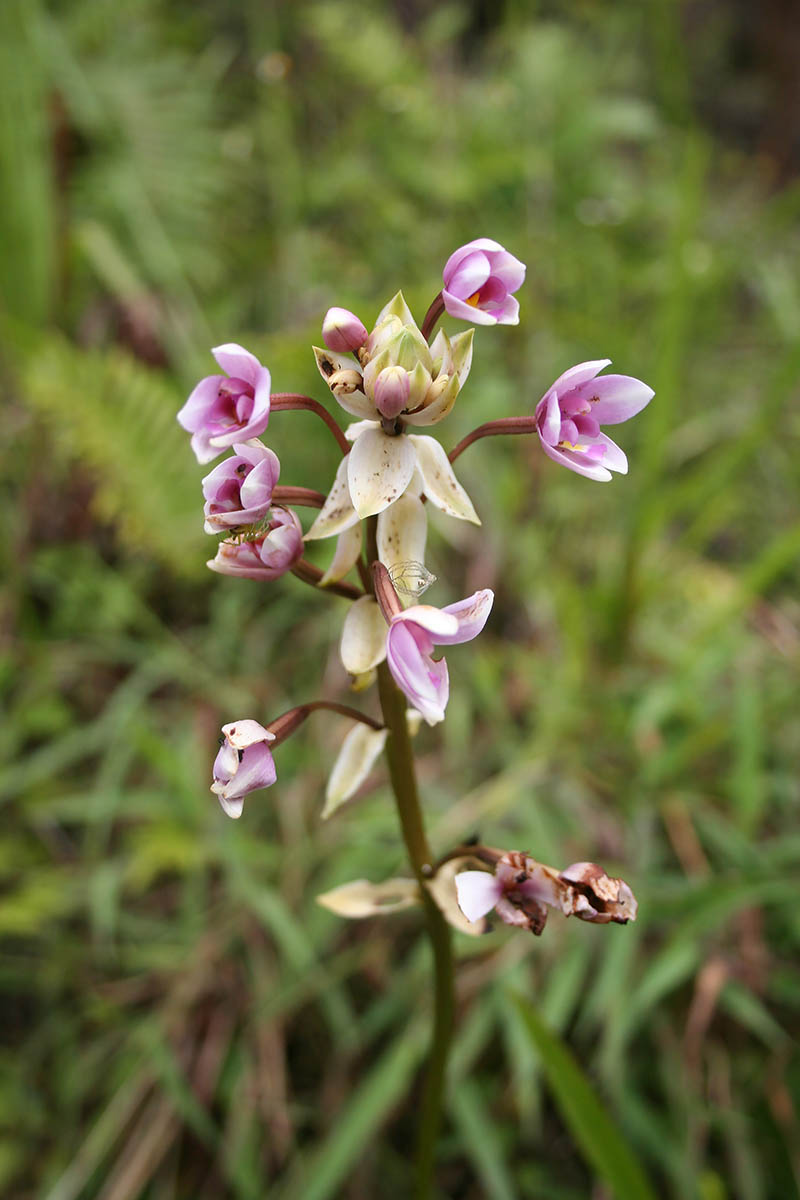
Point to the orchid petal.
(358, 427)
(237, 362)
(437, 622)
(402, 532)
(355, 760)
(379, 470)
(441, 486)
(577, 462)
(425, 682)
(360, 898)
(579, 374)
(244, 733)
(617, 398)
(471, 614)
(337, 513)
(345, 556)
(478, 893)
(466, 312)
(363, 641)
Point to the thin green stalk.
(404, 784)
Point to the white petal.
(363, 642)
(477, 892)
(364, 899)
(337, 513)
(402, 532)
(355, 760)
(461, 350)
(439, 408)
(443, 889)
(242, 734)
(357, 428)
(329, 361)
(379, 470)
(345, 556)
(441, 486)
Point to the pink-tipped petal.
(256, 770)
(482, 244)
(507, 313)
(342, 331)
(471, 614)
(477, 893)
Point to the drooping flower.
(244, 764)
(408, 644)
(520, 888)
(267, 557)
(569, 416)
(342, 331)
(479, 279)
(224, 409)
(239, 491)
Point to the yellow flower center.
(571, 446)
(473, 299)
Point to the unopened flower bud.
(342, 331)
(343, 383)
(392, 389)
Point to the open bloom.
(229, 408)
(413, 634)
(244, 764)
(569, 416)
(239, 490)
(520, 888)
(267, 557)
(479, 279)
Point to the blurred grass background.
(179, 1018)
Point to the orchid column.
(398, 381)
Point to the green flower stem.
(404, 784)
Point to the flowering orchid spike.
(569, 416)
(238, 492)
(342, 331)
(224, 409)
(479, 279)
(521, 889)
(413, 634)
(268, 556)
(244, 764)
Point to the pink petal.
(576, 462)
(507, 313)
(549, 418)
(617, 398)
(195, 410)
(432, 620)
(580, 373)
(256, 770)
(465, 312)
(424, 682)
(509, 270)
(471, 614)
(237, 362)
(477, 893)
(470, 276)
(483, 244)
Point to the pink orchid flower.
(412, 635)
(244, 764)
(229, 408)
(239, 490)
(478, 281)
(569, 416)
(267, 557)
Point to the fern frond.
(117, 417)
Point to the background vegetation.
(179, 1018)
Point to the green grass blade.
(582, 1110)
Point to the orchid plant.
(398, 381)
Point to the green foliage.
(183, 1019)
